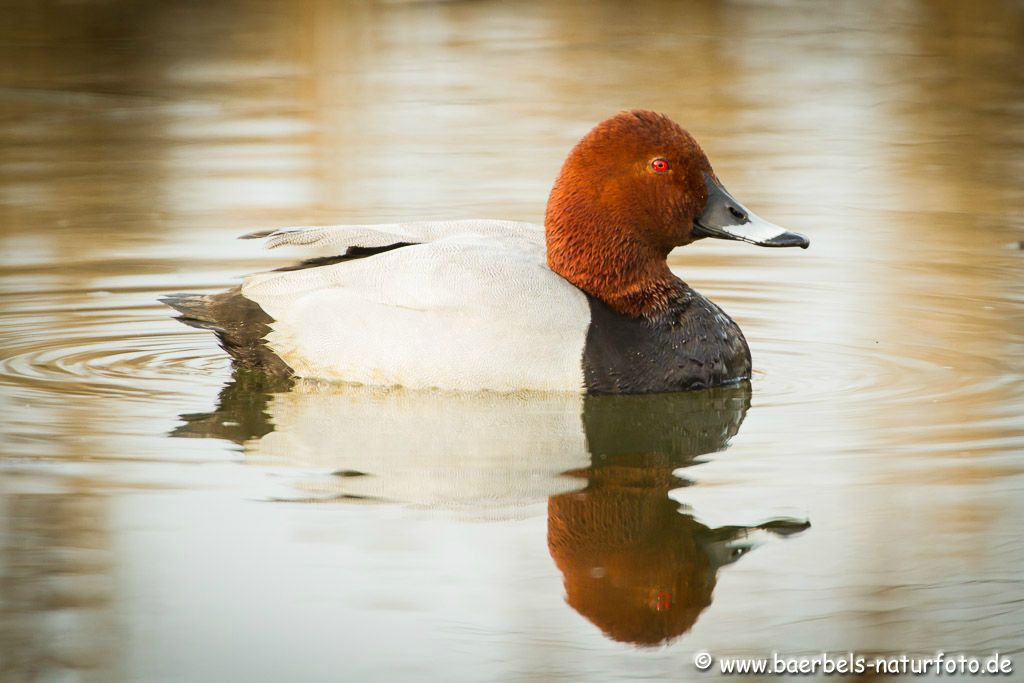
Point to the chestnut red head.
(635, 187)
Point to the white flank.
(471, 306)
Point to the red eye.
(660, 165)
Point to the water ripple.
(125, 351)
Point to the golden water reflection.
(138, 139)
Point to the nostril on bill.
(737, 214)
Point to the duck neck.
(630, 276)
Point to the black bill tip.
(787, 239)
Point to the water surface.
(164, 519)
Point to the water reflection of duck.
(633, 563)
(472, 451)
(466, 305)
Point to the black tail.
(196, 309)
(239, 323)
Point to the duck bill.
(725, 218)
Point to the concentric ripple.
(128, 351)
(817, 347)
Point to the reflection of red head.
(632, 564)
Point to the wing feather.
(341, 237)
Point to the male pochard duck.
(481, 304)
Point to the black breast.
(692, 345)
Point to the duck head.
(635, 187)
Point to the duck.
(585, 303)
